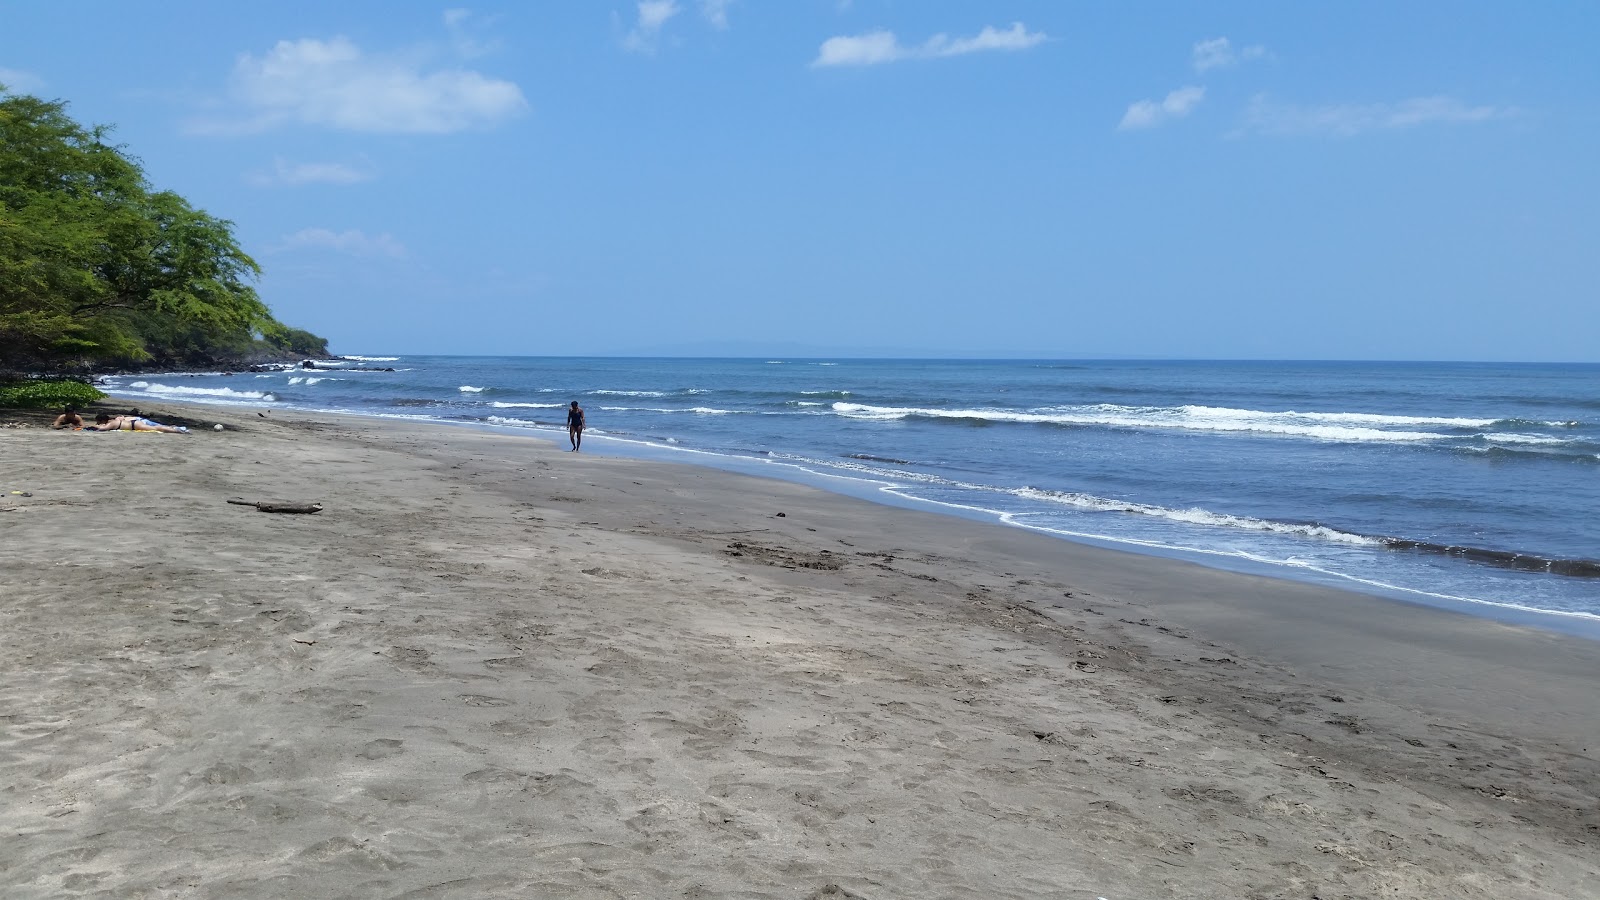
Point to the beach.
(492, 668)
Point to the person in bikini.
(104, 422)
(575, 425)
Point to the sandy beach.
(492, 668)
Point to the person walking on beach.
(575, 425)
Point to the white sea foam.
(198, 392)
(500, 405)
(1091, 503)
(469, 389)
(1523, 439)
(1196, 516)
(633, 393)
(517, 423)
(702, 410)
(1322, 426)
(296, 380)
(1337, 418)
(371, 358)
(307, 381)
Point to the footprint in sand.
(383, 748)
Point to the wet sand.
(492, 668)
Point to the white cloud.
(653, 16)
(1150, 113)
(860, 50)
(716, 12)
(1345, 120)
(876, 47)
(20, 81)
(352, 242)
(1218, 53)
(294, 174)
(458, 22)
(333, 84)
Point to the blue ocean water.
(1467, 485)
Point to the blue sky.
(1184, 180)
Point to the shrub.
(48, 394)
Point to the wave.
(198, 392)
(1523, 439)
(517, 423)
(1505, 559)
(308, 381)
(1092, 503)
(883, 459)
(1535, 423)
(1581, 454)
(469, 389)
(419, 401)
(702, 410)
(499, 405)
(1337, 426)
(631, 393)
(1197, 516)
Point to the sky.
(1221, 180)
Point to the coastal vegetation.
(47, 393)
(99, 269)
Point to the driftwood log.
(277, 507)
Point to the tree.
(96, 267)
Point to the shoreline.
(1580, 624)
(493, 668)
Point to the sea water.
(1467, 485)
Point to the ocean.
(1470, 486)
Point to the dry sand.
(490, 668)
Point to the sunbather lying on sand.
(104, 422)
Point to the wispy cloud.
(352, 242)
(460, 23)
(652, 17)
(878, 47)
(1150, 113)
(284, 173)
(716, 12)
(1265, 116)
(1218, 53)
(20, 81)
(333, 84)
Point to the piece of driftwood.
(274, 506)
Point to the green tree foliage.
(47, 394)
(98, 268)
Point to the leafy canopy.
(96, 267)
